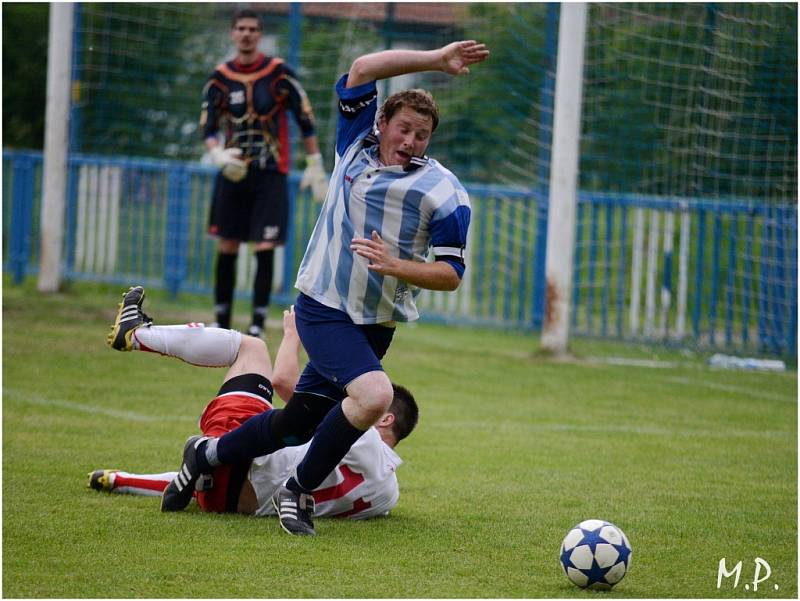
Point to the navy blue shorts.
(338, 350)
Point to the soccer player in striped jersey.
(363, 485)
(387, 206)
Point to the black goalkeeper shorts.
(255, 209)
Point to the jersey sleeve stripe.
(448, 251)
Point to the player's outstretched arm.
(287, 362)
(455, 59)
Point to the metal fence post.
(295, 39)
(70, 216)
(21, 217)
(790, 214)
(176, 240)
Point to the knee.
(253, 357)
(254, 348)
(253, 343)
(373, 399)
(383, 398)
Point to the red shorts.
(225, 413)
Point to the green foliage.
(691, 100)
(501, 107)
(685, 99)
(25, 27)
(142, 68)
(511, 451)
(327, 49)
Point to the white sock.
(193, 343)
(211, 452)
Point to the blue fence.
(691, 272)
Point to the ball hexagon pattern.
(595, 554)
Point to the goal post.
(564, 177)
(55, 145)
(667, 164)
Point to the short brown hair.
(405, 410)
(246, 13)
(418, 100)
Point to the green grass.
(511, 451)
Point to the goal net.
(687, 220)
(688, 174)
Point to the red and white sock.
(150, 485)
(193, 343)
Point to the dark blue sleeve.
(449, 238)
(287, 86)
(357, 109)
(213, 106)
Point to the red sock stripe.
(121, 481)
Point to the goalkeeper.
(248, 98)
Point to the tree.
(25, 27)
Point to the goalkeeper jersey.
(363, 485)
(249, 103)
(414, 209)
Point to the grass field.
(511, 451)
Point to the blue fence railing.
(694, 272)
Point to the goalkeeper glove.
(233, 168)
(314, 177)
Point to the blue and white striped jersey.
(413, 209)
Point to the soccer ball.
(595, 554)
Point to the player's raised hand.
(289, 327)
(458, 56)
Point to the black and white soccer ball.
(595, 554)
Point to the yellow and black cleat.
(101, 480)
(129, 317)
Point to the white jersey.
(413, 209)
(363, 485)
